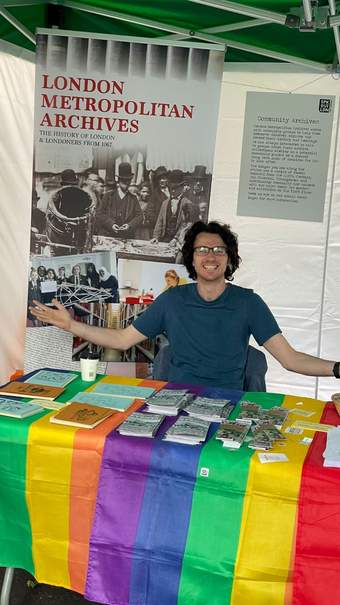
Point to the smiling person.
(208, 323)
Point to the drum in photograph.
(74, 232)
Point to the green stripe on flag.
(16, 541)
(217, 507)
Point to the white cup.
(88, 369)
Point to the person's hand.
(173, 243)
(58, 317)
(124, 227)
(154, 240)
(115, 227)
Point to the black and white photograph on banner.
(87, 284)
(123, 164)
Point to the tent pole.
(332, 10)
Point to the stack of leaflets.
(168, 402)
(264, 435)
(141, 425)
(18, 409)
(232, 433)
(191, 431)
(212, 410)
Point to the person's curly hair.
(225, 233)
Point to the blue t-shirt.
(208, 340)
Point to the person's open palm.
(58, 316)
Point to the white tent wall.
(293, 265)
(16, 156)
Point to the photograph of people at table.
(208, 323)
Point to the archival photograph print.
(124, 144)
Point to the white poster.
(285, 154)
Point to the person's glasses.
(216, 250)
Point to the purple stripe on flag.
(120, 495)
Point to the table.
(131, 521)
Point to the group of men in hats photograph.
(85, 206)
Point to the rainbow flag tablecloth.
(130, 521)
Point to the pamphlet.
(53, 379)
(104, 401)
(18, 409)
(141, 425)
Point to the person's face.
(124, 184)
(210, 267)
(61, 272)
(145, 194)
(76, 270)
(34, 274)
(41, 271)
(163, 183)
(176, 190)
(50, 274)
(198, 187)
(171, 281)
(92, 181)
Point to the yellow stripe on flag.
(49, 463)
(264, 558)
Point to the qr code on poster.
(324, 105)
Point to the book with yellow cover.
(81, 414)
(36, 391)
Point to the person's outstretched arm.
(121, 339)
(295, 361)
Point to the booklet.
(18, 409)
(141, 425)
(26, 389)
(82, 415)
(53, 379)
(123, 390)
(103, 401)
(191, 431)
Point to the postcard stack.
(232, 433)
(190, 431)
(141, 425)
(264, 435)
(169, 402)
(253, 414)
(212, 410)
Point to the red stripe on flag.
(316, 576)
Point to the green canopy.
(305, 33)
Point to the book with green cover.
(51, 378)
(18, 409)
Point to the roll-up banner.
(124, 139)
